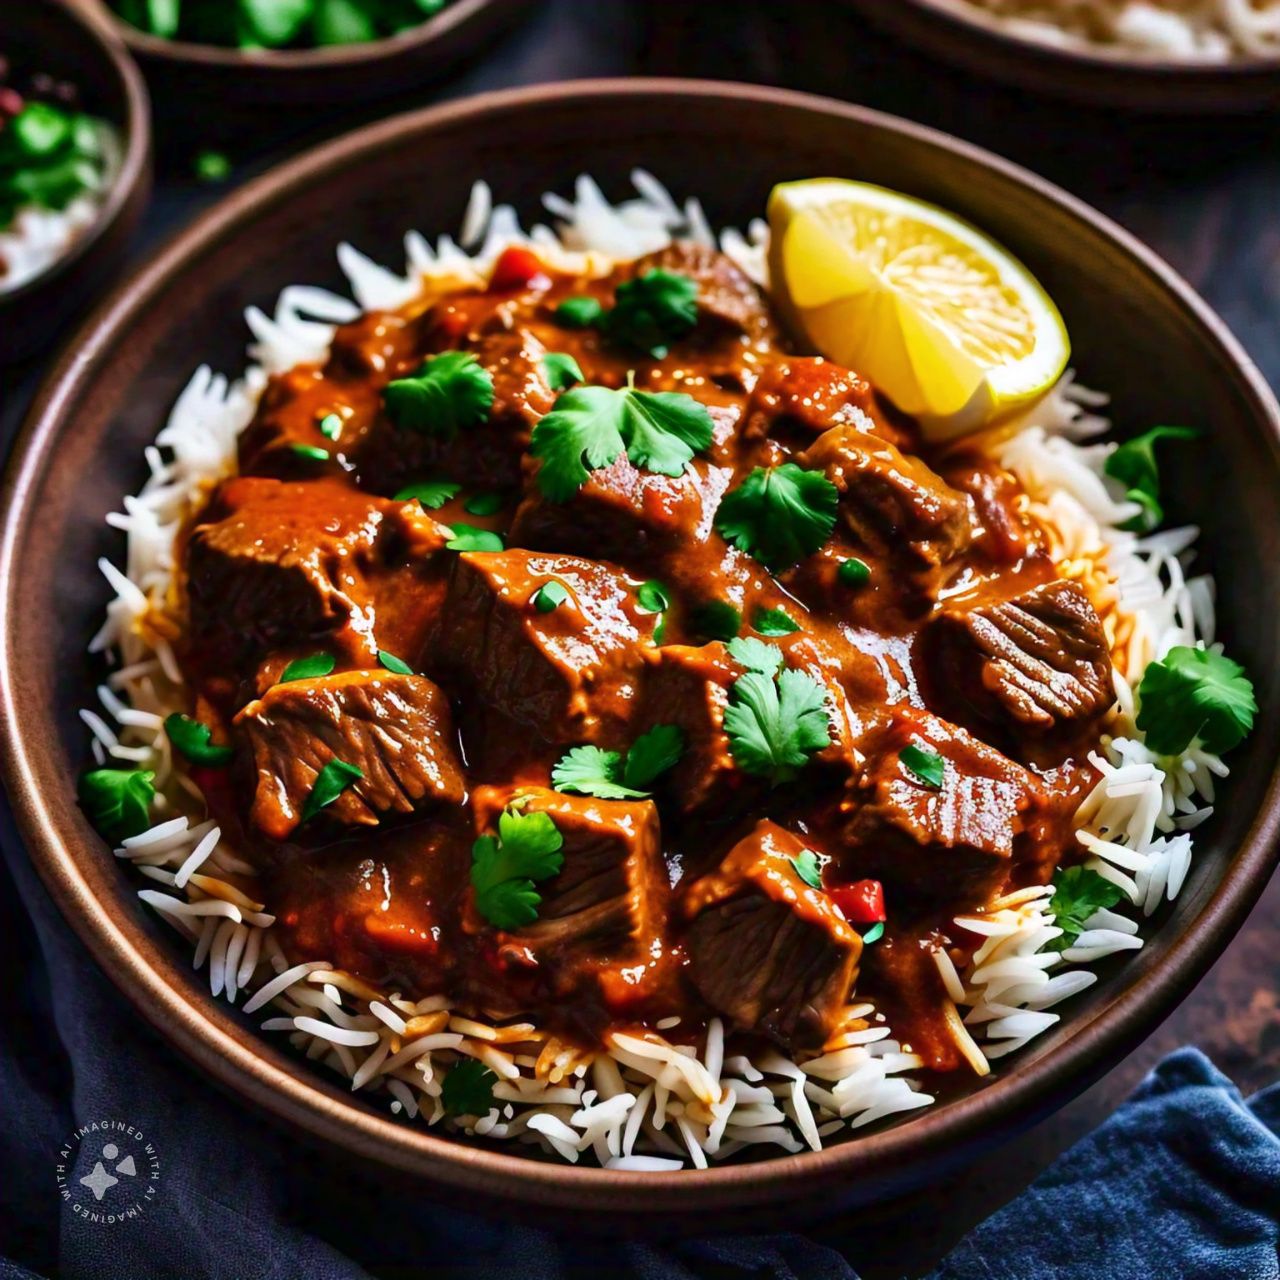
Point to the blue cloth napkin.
(1183, 1181)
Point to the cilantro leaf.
(1193, 693)
(118, 801)
(608, 775)
(652, 311)
(312, 452)
(308, 668)
(330, 426)
(1134, 465)
(331, 782)
(755, 655)
(550, 596)
(590, 426)
(716, 619)
(592, 771)
(854, 572)
(192, 739)
(392, 663)
(432, 494)
(468, 1089)
(273, 22)
(773, 726)
(774, 622)
(504, 867)
(874, 934)
(562, 370)
(1078, 893)
(653, 753)
(450, 392)
(466, 537)
(926, 764)
(579, 313)
(780, 515)
(807, 868)
(653, 597)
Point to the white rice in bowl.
(644, 1103)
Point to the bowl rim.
(452, 17)
(305, 1102)
(964, 17)
(135, 162)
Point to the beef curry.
(593, 658)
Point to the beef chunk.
(1040, 660)
(265, 572)
(609, 898)
(728, 302)
(954, 843)
(395, 729)
(487, 456)
(689, 687)
(766, 950)
(891, 500)
(570, 673)
(624, 512)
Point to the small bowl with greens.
(74, 165)
(302, 52)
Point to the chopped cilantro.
(874, 934)
(451, 392)
(562, 370)
(653, 753)
(504, 867)
(609, 775)
(550, 596)
(774, 724)
(854, 572)
(1134, 465)
(774, 622)
(808, 868)
(755, 655)
(118, 801)
(1195, 693)
(590, 426)
(308, 668)
(484, 504)
(466, 537)
(191, 739)
(652, 311)
(330, 426)
(312, 452)
(653, 597)
(330, 783)
(432, 494)
(717, 620)
(579, 313)
(1077, 894)
(926, 764)
(779, 514)
(392, 663)
(468, 1089)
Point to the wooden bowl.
(57, 37)
(200, 81)
(81, 450)
(954, 31)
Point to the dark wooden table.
(1204, 192)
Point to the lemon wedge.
(941, 319)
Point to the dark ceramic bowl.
(58, 37)
(953, 31)
(82, 449)
(195, 79)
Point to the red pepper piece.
(861, 902)
(516, 268)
